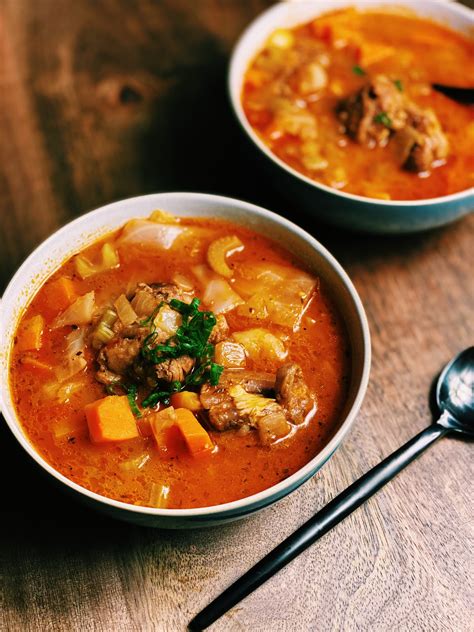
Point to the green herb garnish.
(398, 85)
(383, 118)
(191, 339)
(357, 70)
(132, 396)
(155, 398)
(149, 320)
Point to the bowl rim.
(234, 86)
(249, 503)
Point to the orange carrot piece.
(60, 293)
(196, 438)
(176, 429)
(186, 399)
(111, 419)
(30, 334)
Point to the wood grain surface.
(103, 100)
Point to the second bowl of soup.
(340, 97)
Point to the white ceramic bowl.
(315, 198)
(81, 232)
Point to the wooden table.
(100, 101)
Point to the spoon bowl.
(455, 393)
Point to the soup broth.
(52, 399)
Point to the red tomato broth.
(240, 466)
(423, 53)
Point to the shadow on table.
(53, 545)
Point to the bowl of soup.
(181, 359)
(338, 97)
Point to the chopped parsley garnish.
(398, 85)
(191, 339)
(383, 118)
(357, 70)
(132, 397)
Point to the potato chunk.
(230, 355)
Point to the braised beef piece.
(224, 415)
(293, 397)
(363, 113)
(380, 111)
(161, 291)
(421, 143)
(117, 358)
(175, 369)
(292, 392)
(217, 400)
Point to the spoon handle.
(338, 509)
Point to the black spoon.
(455, 398)
(461, 95)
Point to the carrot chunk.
(176, 429)
(197, 439)
(60, 293)
(110, 419)
(186, 399)
(30, 334)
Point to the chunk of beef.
(240, 400)
(116, 358)
(421, 143)
(175, 369)
(369, 115)
(220, 331)
(251, 381)
(147, 297)
(380, 111)
(293, 393)
(224, 415)
(162, 291)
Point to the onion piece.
(74, 360)
(135, 464)
(125, 311)
(274, 292)
(168, 320)
(109, 259)
(231, 355)
(79, 313)
(261, 344)
(159, 495)
(218, 294)
(143, 232)
(220, 297)
(144, 303)
(183, 281)
(62, 393)
(163, 217)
